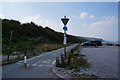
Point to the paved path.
(38, 67)
(104, 61)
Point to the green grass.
(30, 45)
(80, 63)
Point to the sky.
(87, 19)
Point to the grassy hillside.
(91, 38)
(29, 35)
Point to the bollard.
(25, 60)
(77, 60)
(18, 55)
(71, 51)
(28, 53)
(40, 50)
(57, 62)
(62, 60)
(69, 59)
(45, 49)
(35, 51)
(73, 59)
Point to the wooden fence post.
(40, 50)
(62, 60)
(18, 55)
(45, 49)
(69, 59)
(35, 51)
(57, 62)
(28, 53)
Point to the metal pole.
(65, 43)
(9, 46)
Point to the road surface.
(104, 61)
(38, 67)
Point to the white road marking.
(18, 63)
(40, 65)
(48, 65)
(34, 64)
(47, 61)
(54, 62)
(44, 61)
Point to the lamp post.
(65, 21)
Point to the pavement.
(104, 61)
(37, 67)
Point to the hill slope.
(28, 35)
(91, 38)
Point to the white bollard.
(25, 60)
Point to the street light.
(65, 21)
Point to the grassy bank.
(28, 36)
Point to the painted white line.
(48, 65)
(18, 63)
(34, 64)
(47, 61)
(44, 62)
(40, 65)
(54, 62)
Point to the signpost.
(65, 21)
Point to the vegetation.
(74, 60)
(30, 36)
(78, 60)
(84, 75)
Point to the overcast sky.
(88, 19)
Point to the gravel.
(104, 61)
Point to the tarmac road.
(38, 67)
(104, 61)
